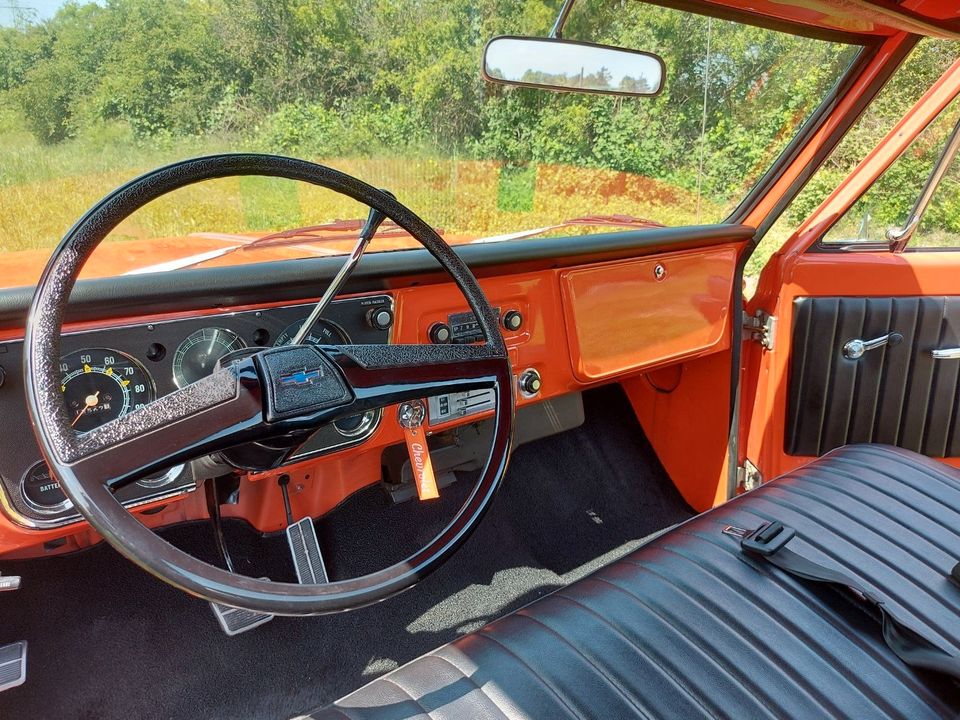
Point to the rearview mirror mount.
(572, 66)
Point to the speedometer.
(100, 385)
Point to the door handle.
(946, 354)
(855, 349)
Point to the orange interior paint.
(867, 274)
(678, 303)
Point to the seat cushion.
(688, 626)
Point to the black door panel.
(898, 395)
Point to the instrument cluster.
(107, 373)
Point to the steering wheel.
(255, 398)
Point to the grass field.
(43, 190)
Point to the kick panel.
(864, 370)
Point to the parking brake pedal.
(13, 665)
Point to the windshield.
(391, 92)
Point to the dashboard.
(566, 328)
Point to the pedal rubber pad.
(308, 562)
(13, 665)
(305, 550)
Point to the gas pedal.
(13, 665)
(305, 550)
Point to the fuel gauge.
(197, 355)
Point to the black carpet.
(105, 640)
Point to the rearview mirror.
(572, 66)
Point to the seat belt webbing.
(911, 646)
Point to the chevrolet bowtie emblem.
(301, 377)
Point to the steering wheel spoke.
(211, 414)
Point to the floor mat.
(108, 641)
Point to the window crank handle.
(855, 349)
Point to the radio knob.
(439, 333)
(380, 318)
(512, 320)
(530, 383)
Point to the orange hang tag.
(420, 463)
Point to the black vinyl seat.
(688, 626)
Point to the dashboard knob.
(512, 320)
(530, 383)
(380, 318)
(439, 333)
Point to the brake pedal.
(13, 665)
(305, 551)
(234, 621)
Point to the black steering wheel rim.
(62, 450)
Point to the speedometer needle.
(89, 402)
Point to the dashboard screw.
(659, 272)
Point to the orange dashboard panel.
(627, 316)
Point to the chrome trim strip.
(898, 239)
(946, 354)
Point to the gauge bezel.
(158, 483)
(176, 360)
(37, 508)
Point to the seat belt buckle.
(767, 539)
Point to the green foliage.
(398, 78)
(515, 191)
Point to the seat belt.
(767, 543)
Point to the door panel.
(895, 394)
(821, 300)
